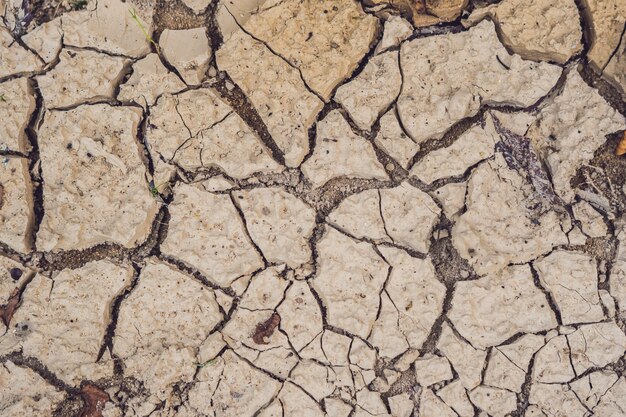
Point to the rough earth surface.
(238, 208)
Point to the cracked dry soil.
(308, 208)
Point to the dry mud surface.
(307, 208)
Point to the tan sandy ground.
(312, 208)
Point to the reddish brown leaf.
(94, 399)
(265, 329)
(7, 310)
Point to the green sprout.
(133, 15)
(154, 189)
(202, 365)
(2, 98)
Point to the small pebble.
(229, 86)
(390, 167)
(16, 273)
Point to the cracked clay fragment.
(536, 29)
(324, 40)
(484, 311)
(62, 322)
(91, 163)
(339, 152)
(275, 89)
(350, 276)
(16, 204)
(448, 77)
(207, 232)
(501, 225)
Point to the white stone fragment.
(207, 232)
(395, 31)
(596, 345)
(25, 393)
(409, 215)
(367, 95)
(392, 140)
(486, 311)
(46, 40)
(62, 322)
(498, 226)
(537, 29)
(473, 146)
(572, 280)
(300, 303)
(432, 369)
(350, 276)
(275, 89)
(591, 388)
(91, 163)
(555, 400)
(570, 128)
(188, 51)
(109, 27)
(325, 40)
(448, 77)
(451, 197)
(340, 153)
(455, 396)
(508, 364)
(81, 77)
(591, 221)
(149, 80)
(417, 297)
(16, 108)
(466, 360)
(14, 59)
(279, 223)
(16, 204)
(160, 326)
(496, 402)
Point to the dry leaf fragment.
(621, 146)
(94, 399)
(265, 329)
(7, 310)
